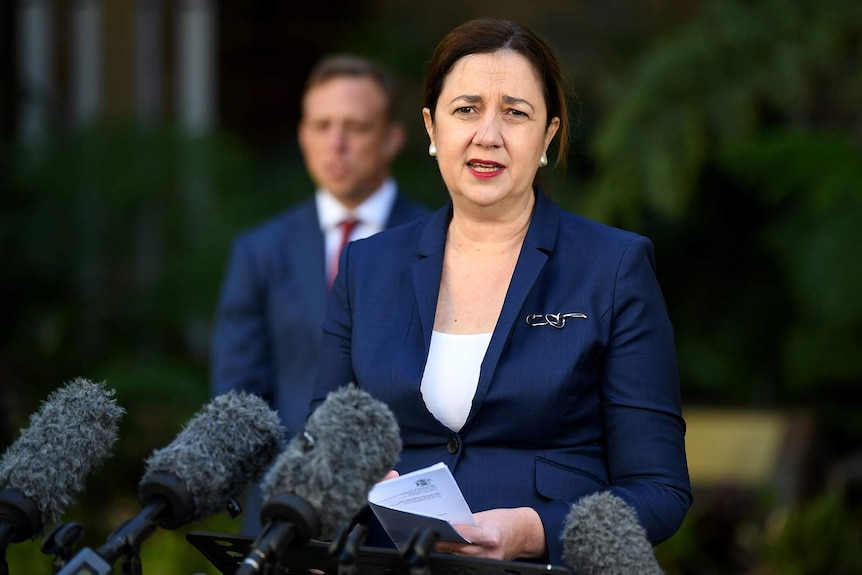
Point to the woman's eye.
(518, 113)
(464, 110)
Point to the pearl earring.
(543, 161)
(432, 151)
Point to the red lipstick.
(485, 169)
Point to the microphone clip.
(60, 543)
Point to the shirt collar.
(374, 211)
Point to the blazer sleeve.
(336, 359)
(240, 356)
(640, 394)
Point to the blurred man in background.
(273, 296)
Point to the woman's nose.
(488, 132)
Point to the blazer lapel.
(428, 269)
(538, 245)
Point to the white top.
(452, 375)
(372, 215)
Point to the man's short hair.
(338, 65)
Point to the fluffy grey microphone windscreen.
(602, 536)
(72, 432)
(350, 442)
(229, 443)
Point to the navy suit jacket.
(271, 305)
(272, 302)
(578, 390)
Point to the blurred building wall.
(80, 61)
(240, 64)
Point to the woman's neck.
(489, 230)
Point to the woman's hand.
(504, 534)
(391, 475)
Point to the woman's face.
(490, 128)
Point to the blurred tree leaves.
(739, 69)
(735, 145)
(822, 536)
(811, 184)
(118, 236)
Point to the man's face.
(345, 137)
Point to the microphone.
(229, 443)
(43, 470)
(322, 479)
(602, 536)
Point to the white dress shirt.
(372, 215)
(452, 375)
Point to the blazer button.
(453, 445)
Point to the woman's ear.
(429, 123)
(553, 126)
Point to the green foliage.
(810, 184)
(735, 530)
(734, 145)
(728, 145)
(822, 536)
(120, 233)
(739, 68)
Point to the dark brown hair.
(339, 65)
(487, 35)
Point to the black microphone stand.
(166, 503)
(125, 542)
(290, 521)
(6, 533)
(416, 554)
(19, 518)
(345, 548)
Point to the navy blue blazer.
(272, 302)
(579, 388)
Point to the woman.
(526, 347)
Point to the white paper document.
(428, 497)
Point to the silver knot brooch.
(557, 320)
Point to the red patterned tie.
(347, 227)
